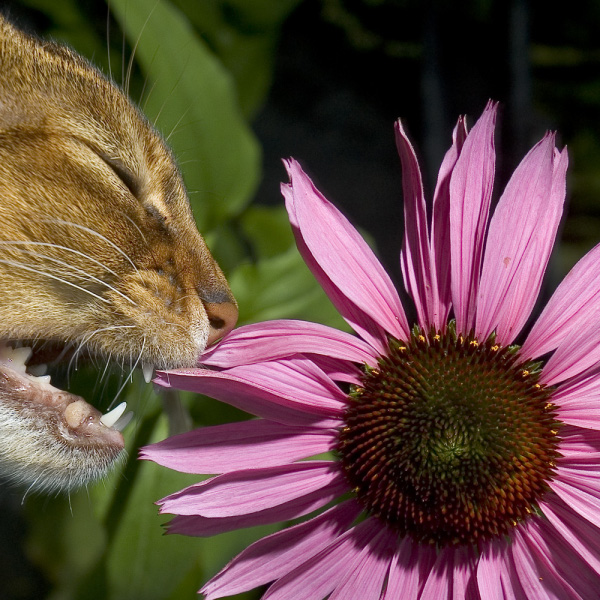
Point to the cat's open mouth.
(61, 440)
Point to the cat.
(99, 256)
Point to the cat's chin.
(52, 440)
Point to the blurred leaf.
(243, 34)
(193, 101)
(282, 287)
(269, 229)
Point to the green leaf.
(282, 287)
(193, 101)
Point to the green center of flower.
(450, 440)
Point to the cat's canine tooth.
(110, 418)
(17, 356)
(38, 370)
(148, 370)
(21, 354)
(123, 421)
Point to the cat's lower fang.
(110, 418)
(148, 370)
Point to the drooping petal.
(582, 501)
(366, 578)
(237, 446)
(578, 400)
(440, 226)
(575, 354)
(273, 340)
(289, 391)
(342, 262)
(415, 258)
(489, 571)
(578, 446)
(582, 537)
(574, 304)
(496, 573)
(452, 576)
(470, 193)
(534, 578)
(254, 490)
(544, 566)
(519, 242)
(323, 572)
(208, 526)
(272, 557)
(404, 579)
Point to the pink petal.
(440, 226)
(342, 262)
(537, 579)
(581, 413)
(366, 577)
(238, 446)
(471, 190)
(338, 370)
(496, 573)
(578, 399)
(578, 532)
(323, 572)
(415, 258)
(584, 503)
(294, 391)
(439, 584)
(577, 352)
(206, 527)
(520, 239)
(489, 571)
(404, 580)
(275, 555)
(562, 573)
(573, 305)
(578, 446)
(253, 490)
(273, 340)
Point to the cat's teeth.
(17, 357)
(123, 421)
(110, 418)
(148, 370)
(38, 370)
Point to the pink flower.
(462, 466)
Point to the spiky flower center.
(450, 440)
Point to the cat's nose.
(222, 317)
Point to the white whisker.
(49, 275)
(83, 275)
(98, 235)
(141, 352)
(59, 247)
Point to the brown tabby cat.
(99, 255)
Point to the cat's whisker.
(136, 227)
(80, 273)
(95, 233)
(139, 358)
(174, 129)
(58, 247)
(86, 339)
(11, 263)
(132, 57)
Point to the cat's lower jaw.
(50, 439)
